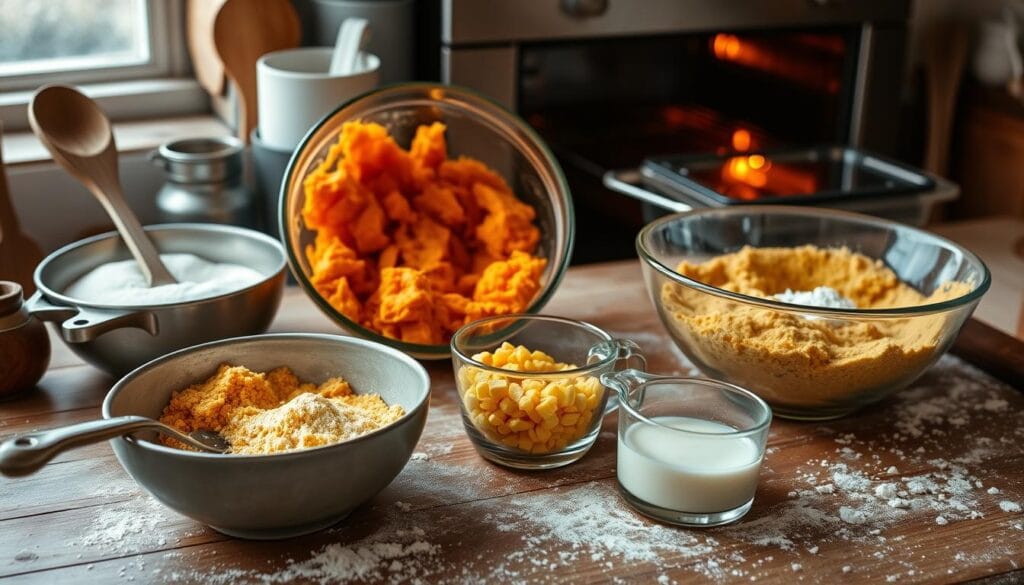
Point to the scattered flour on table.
(856, 495)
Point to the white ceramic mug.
(294, 90)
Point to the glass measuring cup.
(690, 449)
(526, 410)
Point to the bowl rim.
(423, 351)
(520, 319)
(859, 218)
(340, 340)
(60, 297)
(762, 424)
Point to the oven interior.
(610, 103)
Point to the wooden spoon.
(79, 136)
(244, 31)
(19, 254)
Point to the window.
(129, 55)
(80, 41)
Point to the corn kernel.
(569, 420)
(519, 425)
(507, 406)
(547, 406)
(487, 404)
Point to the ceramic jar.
(24, 344)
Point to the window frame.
(162, 87)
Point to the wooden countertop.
(999, 242)
(947, 454)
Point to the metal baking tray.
(811, 176)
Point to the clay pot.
(24, 345)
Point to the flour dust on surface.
(937, 466)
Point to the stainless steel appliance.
(609, 83)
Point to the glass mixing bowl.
(796, 382)
(476, 127)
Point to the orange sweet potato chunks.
(412, 244)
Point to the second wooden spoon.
(79, 136)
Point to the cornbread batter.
(792, 359)
(261, 413)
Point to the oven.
(610, 82)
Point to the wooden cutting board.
(19, 254)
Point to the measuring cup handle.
(627, 356)
(627, 383)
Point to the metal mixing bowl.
(477, 127)
(285, 494)
(117, 338)
(919, 259)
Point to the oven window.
(613, 102)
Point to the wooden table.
(451, 517)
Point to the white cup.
(294, 90)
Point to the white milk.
(122, 283)
(684, 472)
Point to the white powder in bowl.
(822, 296)
(122, 283)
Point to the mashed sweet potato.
(412, 244)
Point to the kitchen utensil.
(79, 136)
(26, 453)
(19, 253)
(997, 59)
(591, 349)
(285, 494)
(204, 182)
(919, 259)
(117, 339)
(206, 64)
(690, 449)
(353, 36)
(24, 344)
(947, 46)
(393, 26)
(296, 90)
(476, 127)
(244, 31)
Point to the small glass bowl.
(476, 127)
(535, 419)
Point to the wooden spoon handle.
(108, 193)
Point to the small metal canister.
(204, 182)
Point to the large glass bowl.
(799, 386)
(476, 127)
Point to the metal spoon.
(78, 135)
(26, 453)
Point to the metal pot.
(117, 338)
(282, 494)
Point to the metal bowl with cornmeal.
(820, 312)
(283, 494)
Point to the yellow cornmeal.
(530, 413)
(795, 360)
(261, 413)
